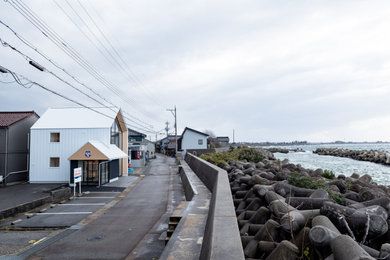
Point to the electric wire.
(27, 43)
(127, 69)
(31, 83)
(56, 65)
(25, 11)
(5, 44)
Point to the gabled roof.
(98, 151)
(10, 118)
(192, 130)
(132, 132)
(78, 118)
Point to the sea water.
(339, 165)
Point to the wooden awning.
(95, 150)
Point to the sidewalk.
(131, 226)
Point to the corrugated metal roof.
(111, 151)
(76, 118)
(9, 118)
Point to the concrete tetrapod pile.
(375, 156)
(278, 220)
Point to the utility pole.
(233, 136)
(173, 111)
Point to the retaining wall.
(221, 238)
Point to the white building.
(150, 149)
(67, 138)
(193, 140)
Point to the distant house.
(14, 144)
(223, 140)
(135, 137)
(193, 140)
(140, 149)
(137, 148)
(150, 149)
(67, 138)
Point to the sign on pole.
(77, 175)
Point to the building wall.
(2, 150)
(70, 141)
(17, 151)
(190, 141)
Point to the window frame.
(200, 141)
(54, 140)
(53, 166)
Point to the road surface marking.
(89, 192)
(96, 197)
(65, 213)
(83, 204)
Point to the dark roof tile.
(10, 118)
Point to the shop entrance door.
(104, 173)
(91, 172)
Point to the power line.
(128, 69)
(5, 44)
(26, 42)
(18, 77)
(25, 11)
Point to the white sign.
(77, 173)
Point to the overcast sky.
(271, 70)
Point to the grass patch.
(311, 183)
(328, 174)
(240, 154)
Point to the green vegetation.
(311, 183)
(241, 153)
(338, 198)
(305, 182)
(328, 174)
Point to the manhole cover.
(95, 238)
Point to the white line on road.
(95, 197)
(65, 213)
(83, 204)
(89, 192)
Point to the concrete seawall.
(221, 238)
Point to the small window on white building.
(200, 141)
(54, 137)
(55, 162)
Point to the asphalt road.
(133, 224)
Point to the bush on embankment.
(240, 154)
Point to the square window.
(54, 161)
(54, 137)
(200, 141)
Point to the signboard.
(77, 175)
(87, 154)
